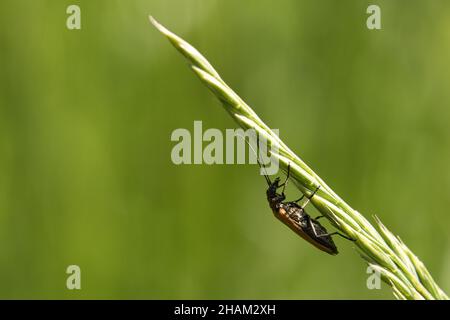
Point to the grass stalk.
(382, 250)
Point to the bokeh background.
(86, 116)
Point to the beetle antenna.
(266, 176)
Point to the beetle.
(295, 217)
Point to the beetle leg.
(309, 198)
(335, 234)
(312, 226)
(315, 191)
(287, 177)
(327, 234)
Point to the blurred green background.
(86, 116)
